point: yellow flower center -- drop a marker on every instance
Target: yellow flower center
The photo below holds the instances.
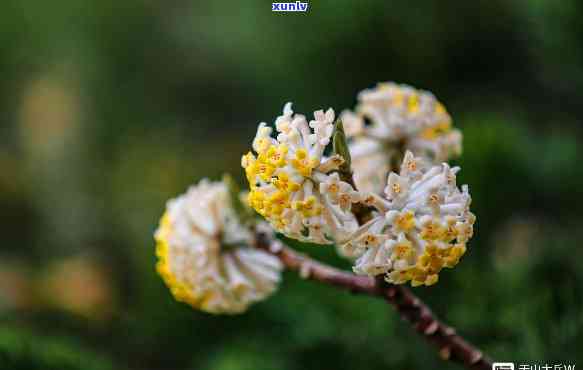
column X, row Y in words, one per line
column 333, row 188
column 403, row 250
column 309, row 207
column 396, row 188
column 405, row 221
column 371, row 240
column 303, row 164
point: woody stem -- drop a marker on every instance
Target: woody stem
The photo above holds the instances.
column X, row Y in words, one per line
column 450, row 345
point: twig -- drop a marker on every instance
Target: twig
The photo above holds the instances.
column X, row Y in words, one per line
column 451, row 346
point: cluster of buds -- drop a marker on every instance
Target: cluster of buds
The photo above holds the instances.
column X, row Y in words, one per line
column 294, row 186
column 421, row 225
column 205, row 254
column 398, row 139
column 391, row 119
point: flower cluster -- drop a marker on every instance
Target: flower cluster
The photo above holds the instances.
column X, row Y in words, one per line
column 390, row 119
column 293, row 184
column 419, row 227
column 204, row 255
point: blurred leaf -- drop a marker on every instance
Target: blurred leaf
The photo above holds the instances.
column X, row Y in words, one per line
column 20, row 350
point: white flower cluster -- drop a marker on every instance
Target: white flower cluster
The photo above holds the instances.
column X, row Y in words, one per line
column 204, row 255
column 419, row 227
column 291, row 181
column 422, row 222
column 390, row 119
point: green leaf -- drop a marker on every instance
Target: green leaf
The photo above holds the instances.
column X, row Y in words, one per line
column 340, row 146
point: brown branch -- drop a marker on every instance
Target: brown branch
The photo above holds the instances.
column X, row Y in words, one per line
column 451, row 346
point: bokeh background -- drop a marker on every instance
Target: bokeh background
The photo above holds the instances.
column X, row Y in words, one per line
column 108, row 108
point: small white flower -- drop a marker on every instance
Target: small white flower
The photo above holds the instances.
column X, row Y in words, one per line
column 397, row 187
column 422, row 226
column 283, row 122
column 322, row 125
column 347, row 197
column 204, row 254
column 412, row 166
column 263, row 137
column 292, row 184
column 374, row 261
column 339, row 192
column 331, row 187
column 401, row 118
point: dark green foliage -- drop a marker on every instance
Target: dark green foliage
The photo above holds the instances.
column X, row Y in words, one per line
column 20, row 350
column 167, row 93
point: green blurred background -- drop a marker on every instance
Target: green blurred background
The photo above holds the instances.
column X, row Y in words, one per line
column 108, row 108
